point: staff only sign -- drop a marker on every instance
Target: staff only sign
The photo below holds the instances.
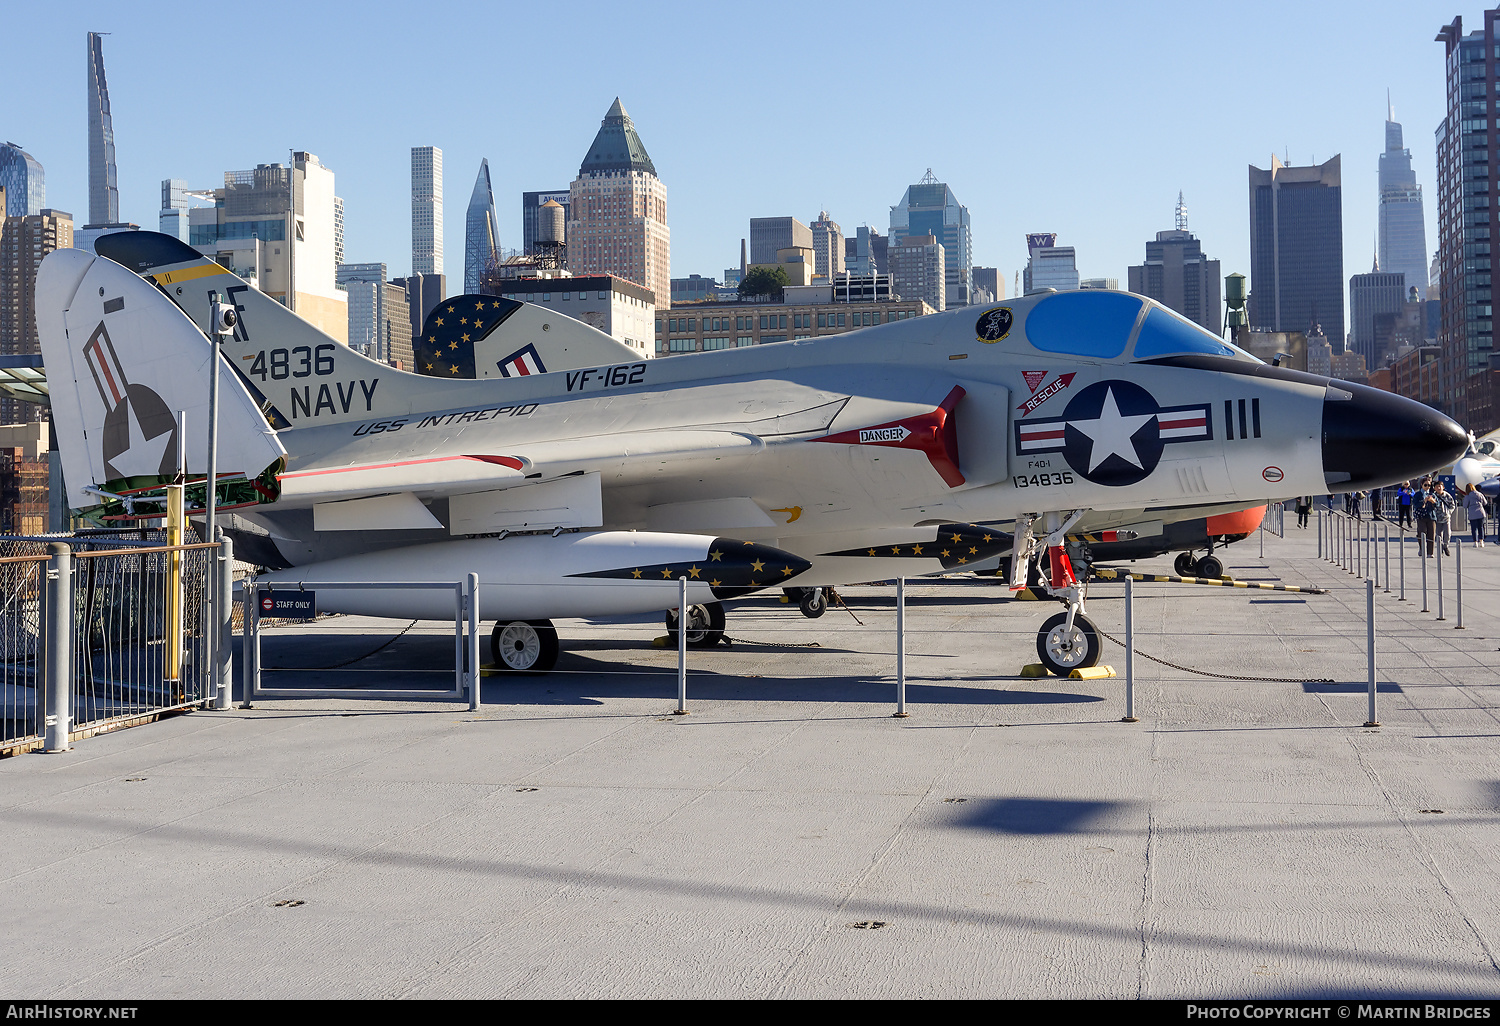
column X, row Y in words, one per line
column 289, row 605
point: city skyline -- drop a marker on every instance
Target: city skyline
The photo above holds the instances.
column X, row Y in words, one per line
column 1033, row 168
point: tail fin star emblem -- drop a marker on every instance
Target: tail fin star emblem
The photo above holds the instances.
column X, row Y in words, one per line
column 139, row 431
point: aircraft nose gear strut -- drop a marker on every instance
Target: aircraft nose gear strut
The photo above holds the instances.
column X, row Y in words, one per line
column 1069, row 640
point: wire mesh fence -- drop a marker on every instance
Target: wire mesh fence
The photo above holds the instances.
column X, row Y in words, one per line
column 138, row 642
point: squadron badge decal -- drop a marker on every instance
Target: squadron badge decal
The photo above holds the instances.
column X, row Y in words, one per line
column 994, row 324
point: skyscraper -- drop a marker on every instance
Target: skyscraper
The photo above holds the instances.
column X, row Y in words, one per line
column 23, row 181
column 24, row 241
column 1177, row 274
column 1050, row 266
column 1468, row 211
column 618, row 211
column 250, row 230
column 1370, row 295
column 104, row 191
column 379, row 317
column 828, row 246
column 769, row 234
column 1297, row 249
column 917, row 270
column 481, row 232
column 1403, row 229
column 426, row 210
column 930, row 208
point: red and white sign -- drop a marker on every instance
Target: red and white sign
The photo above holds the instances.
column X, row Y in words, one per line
column 267, row 603
column 1058, row 384
column 1033, row 378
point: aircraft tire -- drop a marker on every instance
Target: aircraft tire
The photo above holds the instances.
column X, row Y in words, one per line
column 1210, row 568
column 1063, row 654
column 705, row 625
column 814, row 603
column 524, row 646
column 1185, row 565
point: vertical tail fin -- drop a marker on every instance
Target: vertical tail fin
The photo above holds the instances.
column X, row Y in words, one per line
column 122, row 363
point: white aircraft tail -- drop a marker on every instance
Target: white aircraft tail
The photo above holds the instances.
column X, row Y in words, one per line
column 284, row 358
column 122, row 365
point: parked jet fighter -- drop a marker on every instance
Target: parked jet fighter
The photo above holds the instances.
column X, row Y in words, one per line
column 577, row 478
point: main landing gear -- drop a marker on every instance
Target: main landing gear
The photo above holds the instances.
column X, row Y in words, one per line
column 705, row 625
column 1209, row 567
column 1068, row 641
column 524, row 646
column 813, row 602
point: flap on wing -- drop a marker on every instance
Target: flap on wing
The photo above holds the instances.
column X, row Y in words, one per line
column 402, row 511
column 575, row 501
column 438, row 475
column 432, row 476
column 733, row 514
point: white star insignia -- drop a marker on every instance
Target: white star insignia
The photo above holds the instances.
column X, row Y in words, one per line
column 1111, row 433
column 144, row 455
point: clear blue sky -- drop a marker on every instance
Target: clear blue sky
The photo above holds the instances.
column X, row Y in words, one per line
column 1082, row 119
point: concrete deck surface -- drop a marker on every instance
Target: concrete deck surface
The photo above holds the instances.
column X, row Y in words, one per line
column 575, row 839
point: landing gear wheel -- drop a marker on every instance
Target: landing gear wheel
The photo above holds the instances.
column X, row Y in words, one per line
column 1063, row 651
column 1210, row 568
column 1185, row 565
column 524, row 646
column 705, row 625
column 814, row 603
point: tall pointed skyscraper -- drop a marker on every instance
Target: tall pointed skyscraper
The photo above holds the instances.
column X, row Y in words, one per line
column 104, row 191
column 481, row 233
column 618, row 211
column 1403, row 229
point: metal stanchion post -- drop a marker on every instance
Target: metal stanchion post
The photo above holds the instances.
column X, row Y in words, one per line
column 1387, row 545
column 59, row 642
column 1458, row 580
column 223, row 625
column 1129, row 716
column 1440, row 615
column 1422, row 558
column 250, row 647
column 1370, row 648
column 1401, row 559
column 900, row 712
column 473, row 642
column 682, row 629
column 1320, row 531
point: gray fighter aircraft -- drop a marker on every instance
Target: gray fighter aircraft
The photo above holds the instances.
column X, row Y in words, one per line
column 578, row 479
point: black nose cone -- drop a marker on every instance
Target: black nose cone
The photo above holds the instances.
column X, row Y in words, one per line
column 1373, row 438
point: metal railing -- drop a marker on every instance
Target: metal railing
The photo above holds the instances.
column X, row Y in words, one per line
column 466, row 665
column 127, row 629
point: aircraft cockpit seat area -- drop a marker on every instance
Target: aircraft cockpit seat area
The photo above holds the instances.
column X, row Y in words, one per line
column 1093, row 325
column 1099, row 325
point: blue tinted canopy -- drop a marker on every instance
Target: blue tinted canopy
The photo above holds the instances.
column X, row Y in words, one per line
column 1166, row 335
column 1087, row 323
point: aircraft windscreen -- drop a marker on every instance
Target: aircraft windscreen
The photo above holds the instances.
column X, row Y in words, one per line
column 1087, row 323
column 1166, row 335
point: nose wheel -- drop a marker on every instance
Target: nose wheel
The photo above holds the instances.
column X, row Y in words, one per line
column 1067, row 642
